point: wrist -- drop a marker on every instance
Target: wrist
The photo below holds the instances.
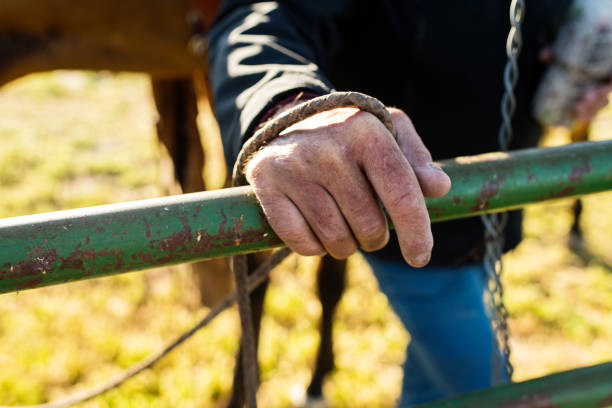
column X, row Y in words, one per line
column 286, row 103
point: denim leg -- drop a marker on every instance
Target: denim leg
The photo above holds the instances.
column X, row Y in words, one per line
column 450, row 350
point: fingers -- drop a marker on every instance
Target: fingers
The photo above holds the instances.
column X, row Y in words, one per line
column 432, row 179
column 289, row 224
column 318, row 185
column 359, row 206
column 397, row 186
column 295, row 172
column 325, row 219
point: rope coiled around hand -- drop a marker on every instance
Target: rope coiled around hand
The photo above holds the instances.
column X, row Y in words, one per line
column 271, row 130
column 245, row 282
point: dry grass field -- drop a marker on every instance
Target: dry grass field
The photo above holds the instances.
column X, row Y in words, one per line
column 73, row 139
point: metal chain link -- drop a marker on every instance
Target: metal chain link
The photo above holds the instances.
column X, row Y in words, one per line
column 495, row 223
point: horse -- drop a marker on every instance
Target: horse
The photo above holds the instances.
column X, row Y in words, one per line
column 167, row 40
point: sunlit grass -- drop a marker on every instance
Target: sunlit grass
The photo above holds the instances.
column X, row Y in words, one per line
column 76, row 139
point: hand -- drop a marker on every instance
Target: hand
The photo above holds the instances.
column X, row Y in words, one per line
column 319, row 181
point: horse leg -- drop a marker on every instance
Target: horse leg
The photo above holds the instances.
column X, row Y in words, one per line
column 177, row 129
column 238, row 397
column 579, row 133
column 331, row 277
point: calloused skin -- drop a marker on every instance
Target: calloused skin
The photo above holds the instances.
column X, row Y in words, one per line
column 320, row 182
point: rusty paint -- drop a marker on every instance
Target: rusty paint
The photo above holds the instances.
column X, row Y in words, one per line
column 142, row 256
column 184, row 242
column 540, row 400
column 577, row 172
column 197, row 226
column 567, row 191
column 223, row 223
column 36, row 263
column 489, row 189
column 76, row 259
column 204, row 242
column 147, row 228
column 238, row 224
column 531, row 176
column 29, row 283
column 606, row 402
column 173, row 242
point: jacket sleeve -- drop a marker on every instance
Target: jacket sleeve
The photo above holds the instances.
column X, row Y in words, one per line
column 260, row 52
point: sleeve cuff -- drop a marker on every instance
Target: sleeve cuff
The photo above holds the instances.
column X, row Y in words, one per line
column 266, row 98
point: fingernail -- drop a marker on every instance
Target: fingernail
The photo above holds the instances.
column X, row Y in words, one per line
column 420, row 260
column 434, row 167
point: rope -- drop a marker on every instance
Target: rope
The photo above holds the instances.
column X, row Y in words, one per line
column 263, row 136
column 249, row 346
column 256, row 279
column 269, row 132
column 273, row 128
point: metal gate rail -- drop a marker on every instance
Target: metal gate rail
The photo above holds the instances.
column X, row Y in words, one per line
column 589, row 387
column 52, row 248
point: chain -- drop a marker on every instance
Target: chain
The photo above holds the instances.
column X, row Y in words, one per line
column 494, row 226
column 495, row 223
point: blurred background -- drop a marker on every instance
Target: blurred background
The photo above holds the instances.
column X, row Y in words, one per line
column 71, row 139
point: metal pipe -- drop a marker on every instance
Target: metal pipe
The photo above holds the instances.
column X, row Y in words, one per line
column 63, row 246
column 589, row 387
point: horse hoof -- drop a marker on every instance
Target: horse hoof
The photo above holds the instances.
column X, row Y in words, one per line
column 300, row 399
column 315, row 402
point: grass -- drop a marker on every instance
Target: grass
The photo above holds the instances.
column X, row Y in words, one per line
column 72, row 139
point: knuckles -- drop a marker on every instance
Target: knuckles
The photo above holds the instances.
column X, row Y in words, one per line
column 296, row 238
column 334, row 238
column 308, row 249
column 420, row 155
column 312, row 158
column 304, row 157
column 343, row 252
column 374, row 234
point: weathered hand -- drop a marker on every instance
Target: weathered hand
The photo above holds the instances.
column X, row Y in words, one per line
column 319, row 181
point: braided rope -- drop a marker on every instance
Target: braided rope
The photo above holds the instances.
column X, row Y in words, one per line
column 255, row 280
column 269, row 132
column 273, row 128
column 257, row 277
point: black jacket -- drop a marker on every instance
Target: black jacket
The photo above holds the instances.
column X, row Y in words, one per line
column 441, row 62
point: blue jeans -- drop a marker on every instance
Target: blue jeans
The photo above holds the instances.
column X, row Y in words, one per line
column 451, row 346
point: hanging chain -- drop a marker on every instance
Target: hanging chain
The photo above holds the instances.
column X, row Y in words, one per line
column 495, row 223
column 511, row 72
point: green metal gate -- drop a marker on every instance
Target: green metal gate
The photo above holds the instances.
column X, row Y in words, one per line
column 65, row 246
